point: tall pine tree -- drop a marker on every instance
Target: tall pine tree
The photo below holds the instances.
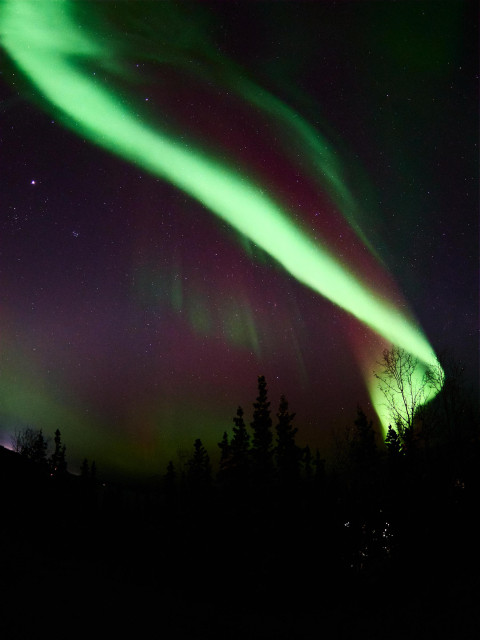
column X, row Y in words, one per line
column 58, row 464
column 199, row 470
column 234, row 458
column 240, row 445
column 363, row 449
column 287, row 453
column 393, row 443
column 262, row 450
column 225, row 458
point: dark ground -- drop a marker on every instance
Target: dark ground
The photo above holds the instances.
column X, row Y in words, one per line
column 85, row 559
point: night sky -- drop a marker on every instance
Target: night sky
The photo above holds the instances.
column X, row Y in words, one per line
column 186, row 189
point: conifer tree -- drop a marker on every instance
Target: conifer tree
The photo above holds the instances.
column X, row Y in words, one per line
column 234, row 458
column 39, row 450
column 262, row 451
column 225, row 457
column 224, row 447
column 240, row 444
column 199, row 471
column 363, row 449
column 58, row 464
column 393, row 442
column 287, row 453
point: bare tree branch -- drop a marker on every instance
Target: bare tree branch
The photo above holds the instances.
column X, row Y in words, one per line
column 406, row 385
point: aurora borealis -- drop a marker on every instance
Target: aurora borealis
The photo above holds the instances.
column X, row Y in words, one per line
column 198, row 194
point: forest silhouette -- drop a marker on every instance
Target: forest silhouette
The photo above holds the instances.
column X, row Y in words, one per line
column 276, row 542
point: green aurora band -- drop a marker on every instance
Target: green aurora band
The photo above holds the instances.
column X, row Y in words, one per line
column 50, row 50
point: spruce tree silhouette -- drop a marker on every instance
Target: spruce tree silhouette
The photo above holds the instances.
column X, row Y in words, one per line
column 287, row 453
column 39, row 453
column 199, row 471
column 240, row 451
column 57, row 462
column 224, row 463
column 393, row 443
column 363, row 449
column 262, row 450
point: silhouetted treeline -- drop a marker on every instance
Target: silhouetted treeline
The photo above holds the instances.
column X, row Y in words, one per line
column 275, row 543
